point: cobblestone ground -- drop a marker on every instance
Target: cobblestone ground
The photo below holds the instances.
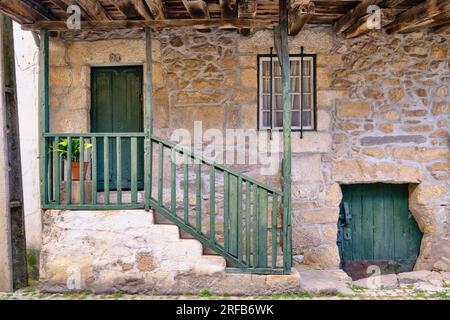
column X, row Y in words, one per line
column 405, row 293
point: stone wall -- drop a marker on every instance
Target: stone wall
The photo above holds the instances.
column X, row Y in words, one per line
column 382, row 116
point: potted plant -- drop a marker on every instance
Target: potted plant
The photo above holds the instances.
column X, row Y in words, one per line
column 75, row 155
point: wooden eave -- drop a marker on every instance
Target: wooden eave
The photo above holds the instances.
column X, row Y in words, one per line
column 346, row 16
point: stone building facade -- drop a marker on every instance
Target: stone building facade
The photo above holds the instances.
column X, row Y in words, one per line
column 383, row 108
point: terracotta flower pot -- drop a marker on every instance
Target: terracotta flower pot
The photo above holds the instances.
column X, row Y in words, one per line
column 76, row 170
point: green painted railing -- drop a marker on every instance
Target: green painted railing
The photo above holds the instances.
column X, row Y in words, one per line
column 234, row 215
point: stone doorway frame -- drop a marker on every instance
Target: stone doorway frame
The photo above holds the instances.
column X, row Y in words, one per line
column 423, row 201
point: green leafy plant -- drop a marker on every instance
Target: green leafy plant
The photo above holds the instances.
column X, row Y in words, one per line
column 62, row 148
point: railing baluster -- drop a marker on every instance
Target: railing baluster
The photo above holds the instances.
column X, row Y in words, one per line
column 106, row 169
column 50, row 171
column 226, row 209
column 69, row 171
column 160, row 173
column 274, row 229
column 94, row 170
column 239, row 218
column 134, row 148
column 255, row 225
column 119, row 169
column 262, row 234
column 212, row 204
column 247, row 222
column 57, row 172
column 173, row 182
column 198, row 197
column 81, row 148
column 186, row 188
column 232, row 216
column 148, row 170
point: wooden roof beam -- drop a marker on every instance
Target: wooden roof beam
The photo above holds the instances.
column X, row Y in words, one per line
column 156, row 8
column 197, row 9
column 351, row 17
column 133, row 9
column 18, row 11
column 93, row 8
column 425, row 14
column 247, row 9
column 39, row 8
column 155, row 24
column 228, row 8
column 299, row 13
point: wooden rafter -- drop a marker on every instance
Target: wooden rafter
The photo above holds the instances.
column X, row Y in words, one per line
column 19, row 11
column 40, row 9
column 426, row 14
column 247, row 9
column 133, row 9
column 392, row 3
column 155, row 24
column 228, row 8
column 352, row 16
column 299, row 13
column 197, row 9
column 156, row 8
column 92, row 8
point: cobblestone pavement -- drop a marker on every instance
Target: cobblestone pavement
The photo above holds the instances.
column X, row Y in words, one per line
column 358, row 293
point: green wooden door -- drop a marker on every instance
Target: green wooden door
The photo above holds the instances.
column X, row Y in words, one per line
column 376, row 228
column 117, row 107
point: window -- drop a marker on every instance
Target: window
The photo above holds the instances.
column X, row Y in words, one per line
column 265, row 96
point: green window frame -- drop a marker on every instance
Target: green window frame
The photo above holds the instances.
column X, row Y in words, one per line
column 266, row 95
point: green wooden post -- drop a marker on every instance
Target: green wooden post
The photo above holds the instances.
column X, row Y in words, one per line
column 69, row 171
column 283, row 54
column 198, row 196
column 248, row 225
column 149, row 119
column 173, row 182
column 106, row 168
column 44, row 122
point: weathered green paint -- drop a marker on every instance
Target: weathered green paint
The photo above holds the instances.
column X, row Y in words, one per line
column 263, row 230
column 186, row 187
column 248, row 220
column 255, row 225
column 173, row 182
column 212, row 204
column 233, row 215
column 226, row 210
column 69, row 171
column 44, row 118
column 239, row 219
column 105, row 162
column 117, row 107
column 94, row 170
column 160, row 172
column 281, row 43
column 149, row 118
column 57, row 174
column 375, row 228
column 274, row 229
column 134, row 169
column 81, row 170
column 119, row 169
column 198, row 196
